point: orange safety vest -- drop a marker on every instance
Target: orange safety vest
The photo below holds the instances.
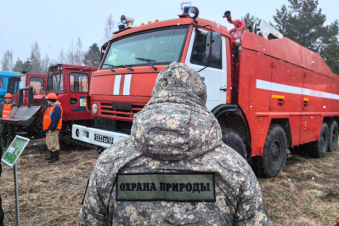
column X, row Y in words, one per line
column 47, row 118
column 6, row 110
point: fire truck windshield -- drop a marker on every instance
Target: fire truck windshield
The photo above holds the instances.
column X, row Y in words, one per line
column 162, row 46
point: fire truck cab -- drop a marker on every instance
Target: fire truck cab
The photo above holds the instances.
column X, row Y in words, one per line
column 268, row 93
column 37, row 82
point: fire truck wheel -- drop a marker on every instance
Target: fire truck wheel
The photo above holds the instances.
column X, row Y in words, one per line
column 232, row 139
column 332, row 146
column 319, row 148
column 275, row 152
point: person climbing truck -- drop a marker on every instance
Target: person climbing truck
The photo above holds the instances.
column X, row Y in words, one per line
column 7, row 131
column 52, row 124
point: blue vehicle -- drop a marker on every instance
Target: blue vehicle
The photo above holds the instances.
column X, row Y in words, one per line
column 4, row 76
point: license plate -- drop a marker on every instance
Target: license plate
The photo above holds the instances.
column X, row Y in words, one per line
column 103, row 139
column 122, row 105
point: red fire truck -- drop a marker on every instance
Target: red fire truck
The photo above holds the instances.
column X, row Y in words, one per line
column 69, row 82
column 267, row 92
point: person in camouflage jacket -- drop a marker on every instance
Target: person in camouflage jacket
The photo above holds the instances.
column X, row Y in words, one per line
column 174, row 169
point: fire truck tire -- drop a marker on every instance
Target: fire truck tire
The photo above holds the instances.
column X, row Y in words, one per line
column 275, row 152
column 232, row 139
column 319, row 148
column 333, row 129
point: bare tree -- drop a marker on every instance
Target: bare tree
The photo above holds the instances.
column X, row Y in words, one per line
column 71, row 53
column 7, row 61
column 45, row 63
column 35, row 59
column 62, row 57
column 109, row 26
column 79, row 53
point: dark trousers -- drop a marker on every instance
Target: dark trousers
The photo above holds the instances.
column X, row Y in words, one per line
column 7, row 133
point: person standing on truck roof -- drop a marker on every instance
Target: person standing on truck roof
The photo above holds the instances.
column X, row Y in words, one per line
column 174, row 168
column 7, row 131
column 52, row 124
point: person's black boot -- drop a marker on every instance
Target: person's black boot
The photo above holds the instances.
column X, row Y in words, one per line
column 50, row 156
column 55, row 157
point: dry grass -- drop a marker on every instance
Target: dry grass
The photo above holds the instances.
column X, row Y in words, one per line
column 305, row 193
column 50, row 194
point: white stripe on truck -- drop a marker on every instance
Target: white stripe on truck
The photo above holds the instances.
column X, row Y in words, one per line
column 272, row 86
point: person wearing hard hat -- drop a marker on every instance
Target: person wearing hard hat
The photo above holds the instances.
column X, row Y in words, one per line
column 52, row 124
column 7, row 131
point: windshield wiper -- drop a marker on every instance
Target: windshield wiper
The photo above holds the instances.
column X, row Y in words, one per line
column 115, row 66
column 111, row 67
column 148, row 61
column 125, row 66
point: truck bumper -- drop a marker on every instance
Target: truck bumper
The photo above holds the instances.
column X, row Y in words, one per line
column 97, row 137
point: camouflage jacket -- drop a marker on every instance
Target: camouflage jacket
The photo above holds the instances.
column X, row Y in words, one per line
column 173, row 134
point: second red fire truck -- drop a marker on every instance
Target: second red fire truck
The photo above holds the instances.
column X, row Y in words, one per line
column 267, row 92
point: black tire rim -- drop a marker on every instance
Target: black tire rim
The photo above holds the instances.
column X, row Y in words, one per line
column 334, row 137
column 275, row 151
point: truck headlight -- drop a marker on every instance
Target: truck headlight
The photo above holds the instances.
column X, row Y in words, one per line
column 95, row 108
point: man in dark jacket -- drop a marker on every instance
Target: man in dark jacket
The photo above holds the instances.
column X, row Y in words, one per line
column 7, row 131
column 52, row 124
column 174, row 169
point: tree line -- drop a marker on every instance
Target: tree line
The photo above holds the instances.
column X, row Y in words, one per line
column 75, row 55
column 301, row 21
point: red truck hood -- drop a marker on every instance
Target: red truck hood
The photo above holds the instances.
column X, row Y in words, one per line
column 140, row 82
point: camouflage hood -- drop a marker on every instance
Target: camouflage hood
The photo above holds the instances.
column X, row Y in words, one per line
column 175, row 124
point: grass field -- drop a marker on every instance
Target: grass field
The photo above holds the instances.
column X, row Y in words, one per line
column 305, row 193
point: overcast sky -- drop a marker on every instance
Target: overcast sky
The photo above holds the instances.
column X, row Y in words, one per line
column 53, row 23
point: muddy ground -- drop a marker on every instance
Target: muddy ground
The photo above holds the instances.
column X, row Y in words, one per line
column 305, row 193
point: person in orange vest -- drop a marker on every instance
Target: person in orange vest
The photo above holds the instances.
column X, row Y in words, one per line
column 52, row 124
column 7, row 131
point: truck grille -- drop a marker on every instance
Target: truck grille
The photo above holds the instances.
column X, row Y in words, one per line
column 108, row 109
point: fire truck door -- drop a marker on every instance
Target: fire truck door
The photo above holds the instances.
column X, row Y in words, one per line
column 215, row 76
column 78, row 87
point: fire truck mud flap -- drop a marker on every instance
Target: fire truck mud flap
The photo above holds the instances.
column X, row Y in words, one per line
column 24, row 116
column 97, row 137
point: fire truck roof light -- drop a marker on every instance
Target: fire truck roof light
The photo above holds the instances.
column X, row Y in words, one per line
column 193, row 12
column 121, row 26
column 186, row 9
column 142, row 23
column 149, row 22
column 156, row 20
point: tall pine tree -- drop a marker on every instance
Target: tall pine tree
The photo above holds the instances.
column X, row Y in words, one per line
column 92, row 57
column 18, row 65
column 303, row 22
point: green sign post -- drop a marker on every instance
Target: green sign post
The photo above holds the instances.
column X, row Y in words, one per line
column 9, row 158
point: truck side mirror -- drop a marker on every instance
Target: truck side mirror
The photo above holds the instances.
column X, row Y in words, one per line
column 103, row 49
column 213, row 46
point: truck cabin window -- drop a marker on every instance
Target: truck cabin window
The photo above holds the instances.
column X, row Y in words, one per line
column 37, row 83
column 57, row 83
column 199, row 51
column 78, row 82
column 160, row 46
column 1, row 82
